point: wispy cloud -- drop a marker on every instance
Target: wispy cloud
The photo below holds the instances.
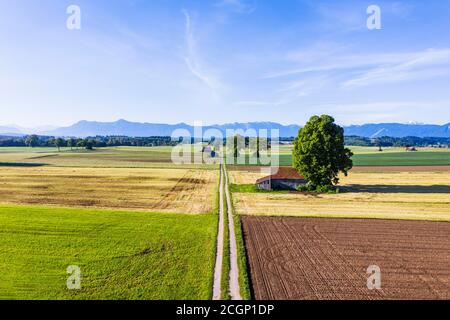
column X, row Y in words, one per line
column 369, row 69
column 399, row 9
column 316, row 52
column 191, row 59
column 239, row 6
column 340, row 16
column 284, row 98
column 340, row 62
column 422, row 65
column 304, row 87
column 385, row 111
column 256, row 103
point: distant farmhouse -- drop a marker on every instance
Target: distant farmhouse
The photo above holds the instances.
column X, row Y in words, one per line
column 286, row 178
column 209, row 151
column 439, row 146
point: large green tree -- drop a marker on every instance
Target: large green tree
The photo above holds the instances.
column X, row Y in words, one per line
column 319, row 153
column 71, row 142
column 238, row 140
column 59, row 142
column 32, row 140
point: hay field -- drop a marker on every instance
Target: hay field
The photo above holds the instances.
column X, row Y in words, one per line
column 114, row 157
column 181, row 190
column 393, row 195
column 245, row 176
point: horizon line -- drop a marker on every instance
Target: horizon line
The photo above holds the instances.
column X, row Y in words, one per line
column 18, row 126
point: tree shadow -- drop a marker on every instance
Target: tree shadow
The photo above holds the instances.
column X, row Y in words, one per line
column 381, row 188
column 21, row 164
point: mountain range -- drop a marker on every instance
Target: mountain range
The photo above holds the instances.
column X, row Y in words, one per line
column 136, row 129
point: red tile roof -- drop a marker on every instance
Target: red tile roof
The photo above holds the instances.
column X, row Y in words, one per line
column 284, row 173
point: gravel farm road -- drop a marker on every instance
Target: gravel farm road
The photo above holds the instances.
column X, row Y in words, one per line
column 234, row 289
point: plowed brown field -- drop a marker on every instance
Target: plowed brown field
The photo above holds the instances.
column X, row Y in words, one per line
column 308, row 258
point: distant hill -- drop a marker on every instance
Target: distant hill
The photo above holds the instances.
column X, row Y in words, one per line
column 399, row 130
column 17, row 131
column 10, row 131
column 137, row 129
column 121, row 127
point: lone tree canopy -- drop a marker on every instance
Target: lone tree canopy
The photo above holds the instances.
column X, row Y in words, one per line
column 319, row 153
column 32, row 141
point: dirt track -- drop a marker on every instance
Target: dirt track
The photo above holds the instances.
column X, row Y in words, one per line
column 235, row 291
column 297, row 258
column 220, row 238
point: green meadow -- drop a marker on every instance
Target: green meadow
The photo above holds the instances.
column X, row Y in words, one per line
column 370, row 156
column 138, row 226
column 122, row 255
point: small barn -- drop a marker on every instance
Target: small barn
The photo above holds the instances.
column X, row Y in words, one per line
column 208, row 150
column 286, row 178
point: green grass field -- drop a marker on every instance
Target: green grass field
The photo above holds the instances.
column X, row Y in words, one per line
column 370, row 156
column 122, row 255
column 251, row 188
column 420, row 158
column 159, row 249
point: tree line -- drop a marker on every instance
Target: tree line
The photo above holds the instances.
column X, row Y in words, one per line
column 113, row 141
column 395, row 142
column 86, row 143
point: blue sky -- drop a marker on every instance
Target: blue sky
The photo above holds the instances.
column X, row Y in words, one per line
column 224, row 61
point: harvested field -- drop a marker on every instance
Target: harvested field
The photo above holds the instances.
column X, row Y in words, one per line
column 425, row 206
column 298, row 258
column 245, row 177
column 393, row 195
column 119, row 157
column 149, row 189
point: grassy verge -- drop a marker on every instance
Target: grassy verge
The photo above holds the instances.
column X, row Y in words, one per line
column 215, row 213
column 244, row 283
column 122, row 255
column 225, row 281
column 251, row 188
